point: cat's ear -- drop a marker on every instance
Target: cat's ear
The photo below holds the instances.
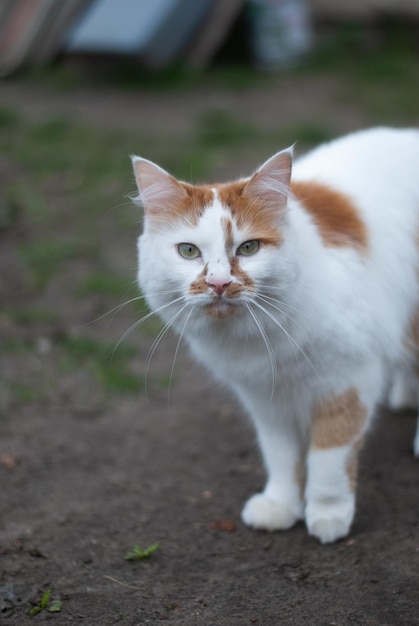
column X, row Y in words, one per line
column 271, row 182
column 159, row 192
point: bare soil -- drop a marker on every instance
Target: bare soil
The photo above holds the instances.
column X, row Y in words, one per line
column 86, row 475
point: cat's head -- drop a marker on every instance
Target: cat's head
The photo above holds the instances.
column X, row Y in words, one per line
column 212, row 249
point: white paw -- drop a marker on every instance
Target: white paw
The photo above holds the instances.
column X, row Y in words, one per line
column 329, row 522
column 264, row 513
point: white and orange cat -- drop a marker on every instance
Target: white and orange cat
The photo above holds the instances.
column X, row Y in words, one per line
column 297, row 288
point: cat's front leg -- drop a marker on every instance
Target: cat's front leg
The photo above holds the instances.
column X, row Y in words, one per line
column 280, row 505
column 339, row 422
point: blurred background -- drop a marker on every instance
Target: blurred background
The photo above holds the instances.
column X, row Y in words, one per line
column 208, row 89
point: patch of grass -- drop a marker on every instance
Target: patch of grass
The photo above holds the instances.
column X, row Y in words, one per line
column 9, row 118
column 15, row 345
column 305, row 133
column 25, row 393
column 29, row 202
column 220, row 128
column 137, row 554
column 109, row 363
column 105, row 284
column 31, row 315
column 53, row 606
column 54, row 130
column 44, row 258
column 192, row 165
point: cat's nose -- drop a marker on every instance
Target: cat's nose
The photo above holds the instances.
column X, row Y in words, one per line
column 219, row 286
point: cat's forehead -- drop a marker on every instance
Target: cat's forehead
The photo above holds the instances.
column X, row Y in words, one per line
column 227, row 207
column 211, row 223
column 206, row 207
column 211, row 202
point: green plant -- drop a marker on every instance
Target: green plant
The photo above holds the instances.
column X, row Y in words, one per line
column 44, row 603
column 137, row 554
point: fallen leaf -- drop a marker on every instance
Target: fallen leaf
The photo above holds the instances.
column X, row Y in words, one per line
column 227, row 525
column 7, row 460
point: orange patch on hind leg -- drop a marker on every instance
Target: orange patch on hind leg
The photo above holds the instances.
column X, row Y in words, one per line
column 338, row 420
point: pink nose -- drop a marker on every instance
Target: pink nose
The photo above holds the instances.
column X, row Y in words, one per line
column 219, row 286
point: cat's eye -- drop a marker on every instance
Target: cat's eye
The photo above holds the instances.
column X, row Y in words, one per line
column 188, row 251
column 248, row 248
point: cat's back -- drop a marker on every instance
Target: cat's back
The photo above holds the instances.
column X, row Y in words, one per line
column 377, row 171
column 387, row 155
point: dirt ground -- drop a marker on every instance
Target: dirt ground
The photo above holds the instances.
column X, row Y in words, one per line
column 86, row 476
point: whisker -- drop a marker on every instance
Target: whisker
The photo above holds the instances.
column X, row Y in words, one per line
column 290, row 338
column 119, row 307
column 176, row 353
column 141, row 321
column 272, row 288
column 268, row 345
column 266, row 299
column 158, row 339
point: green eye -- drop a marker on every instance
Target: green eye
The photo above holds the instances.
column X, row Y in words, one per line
column 188, row 251
column 248, row 248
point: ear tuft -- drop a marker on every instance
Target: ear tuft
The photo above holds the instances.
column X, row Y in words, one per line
column 159, row 192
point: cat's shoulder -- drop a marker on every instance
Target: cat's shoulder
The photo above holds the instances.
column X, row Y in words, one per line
column 377, row 143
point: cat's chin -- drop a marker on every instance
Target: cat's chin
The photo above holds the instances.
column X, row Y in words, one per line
column 220, row 309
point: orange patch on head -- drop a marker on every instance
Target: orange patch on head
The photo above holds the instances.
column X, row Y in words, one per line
column 334, row 214
column 250, row 213
column 228, row 235
column 338, row 420
column 198, row 197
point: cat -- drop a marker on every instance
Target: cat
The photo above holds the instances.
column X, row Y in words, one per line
column 299, row 293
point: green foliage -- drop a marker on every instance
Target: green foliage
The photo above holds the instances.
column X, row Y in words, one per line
column 137, row 554
column 107, row 284
column 218, row 127
column 109, row 363
column 44, row 258
column 44, row 603
column 8, row 118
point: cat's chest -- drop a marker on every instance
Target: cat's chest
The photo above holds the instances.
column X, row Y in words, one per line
column 252, row 361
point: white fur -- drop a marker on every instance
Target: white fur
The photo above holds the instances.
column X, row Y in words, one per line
column 340, row 318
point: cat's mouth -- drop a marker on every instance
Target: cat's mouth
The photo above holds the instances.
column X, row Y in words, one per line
column 220, row 308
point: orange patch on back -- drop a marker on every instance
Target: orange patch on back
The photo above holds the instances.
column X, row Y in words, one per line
column 250, row 214
column 338, row 420
column 334, row 214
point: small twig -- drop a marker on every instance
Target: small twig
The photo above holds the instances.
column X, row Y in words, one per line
column 118, row 582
